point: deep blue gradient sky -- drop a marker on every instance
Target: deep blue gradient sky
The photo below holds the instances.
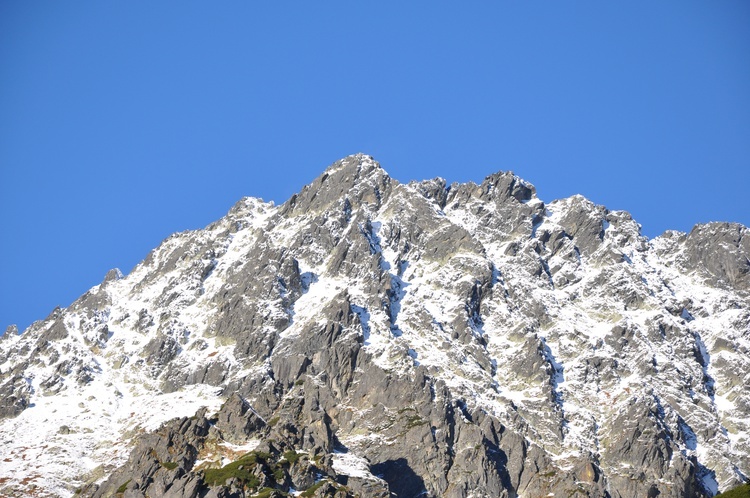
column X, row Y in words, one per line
column 123, row 122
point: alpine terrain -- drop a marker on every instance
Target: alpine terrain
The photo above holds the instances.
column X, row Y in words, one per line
column 377, row 339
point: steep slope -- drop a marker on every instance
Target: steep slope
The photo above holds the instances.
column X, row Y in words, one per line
column 375, row 338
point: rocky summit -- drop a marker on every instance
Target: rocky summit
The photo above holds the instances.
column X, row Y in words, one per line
column 377, row 339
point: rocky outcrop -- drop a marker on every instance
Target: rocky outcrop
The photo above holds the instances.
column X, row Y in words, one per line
column 159, row 462
column 370, row 338
column 722, row 251
column 14, row 396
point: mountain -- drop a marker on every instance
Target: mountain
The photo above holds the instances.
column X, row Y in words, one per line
column 371, row 338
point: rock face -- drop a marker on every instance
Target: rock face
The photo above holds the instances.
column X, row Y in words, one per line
column 376, row 339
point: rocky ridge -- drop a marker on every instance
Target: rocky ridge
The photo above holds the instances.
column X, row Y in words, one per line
column 372, row 338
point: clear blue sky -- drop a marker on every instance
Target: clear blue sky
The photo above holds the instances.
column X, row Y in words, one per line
column 123, row 122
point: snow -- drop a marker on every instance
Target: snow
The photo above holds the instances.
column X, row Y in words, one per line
column 77, row 431
column 349, row 464
column 320, row 292
column 723, row 404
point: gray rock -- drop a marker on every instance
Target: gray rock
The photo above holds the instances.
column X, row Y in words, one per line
column 585, row 223
column 10, row 331
column 159, row 462
column 722, row 252
column 236, row 420
column 15, row 396
column 356, row 178
column 458, row 341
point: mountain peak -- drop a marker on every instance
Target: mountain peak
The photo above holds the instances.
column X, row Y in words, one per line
column 353, row 169
column 507, row 185
column 358, row 178
column 369, row 338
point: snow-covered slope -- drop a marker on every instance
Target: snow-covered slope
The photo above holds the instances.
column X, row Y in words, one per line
column 462, row 340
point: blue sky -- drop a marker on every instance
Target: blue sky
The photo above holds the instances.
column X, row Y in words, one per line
column 123, row 122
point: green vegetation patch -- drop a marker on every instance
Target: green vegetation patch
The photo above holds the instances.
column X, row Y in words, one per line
column 123, row 486
column 266, row 492
column 742, row 491
column 279, row 474
column 240, row 469
column 312, row 489
column 414, row 421
column 291, row 456
column 411, row 417
column 169, row 465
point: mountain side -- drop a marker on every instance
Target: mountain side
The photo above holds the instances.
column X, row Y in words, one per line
column 373, row 338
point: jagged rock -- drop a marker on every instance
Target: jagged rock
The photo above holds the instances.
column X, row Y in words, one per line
column 584, row 222
column 236, row 420
column 112, row 275
column 158, row 462
column 357, row 179
column 722, row 250
column 371, row 338
column 14, row 396
column 10, row 331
